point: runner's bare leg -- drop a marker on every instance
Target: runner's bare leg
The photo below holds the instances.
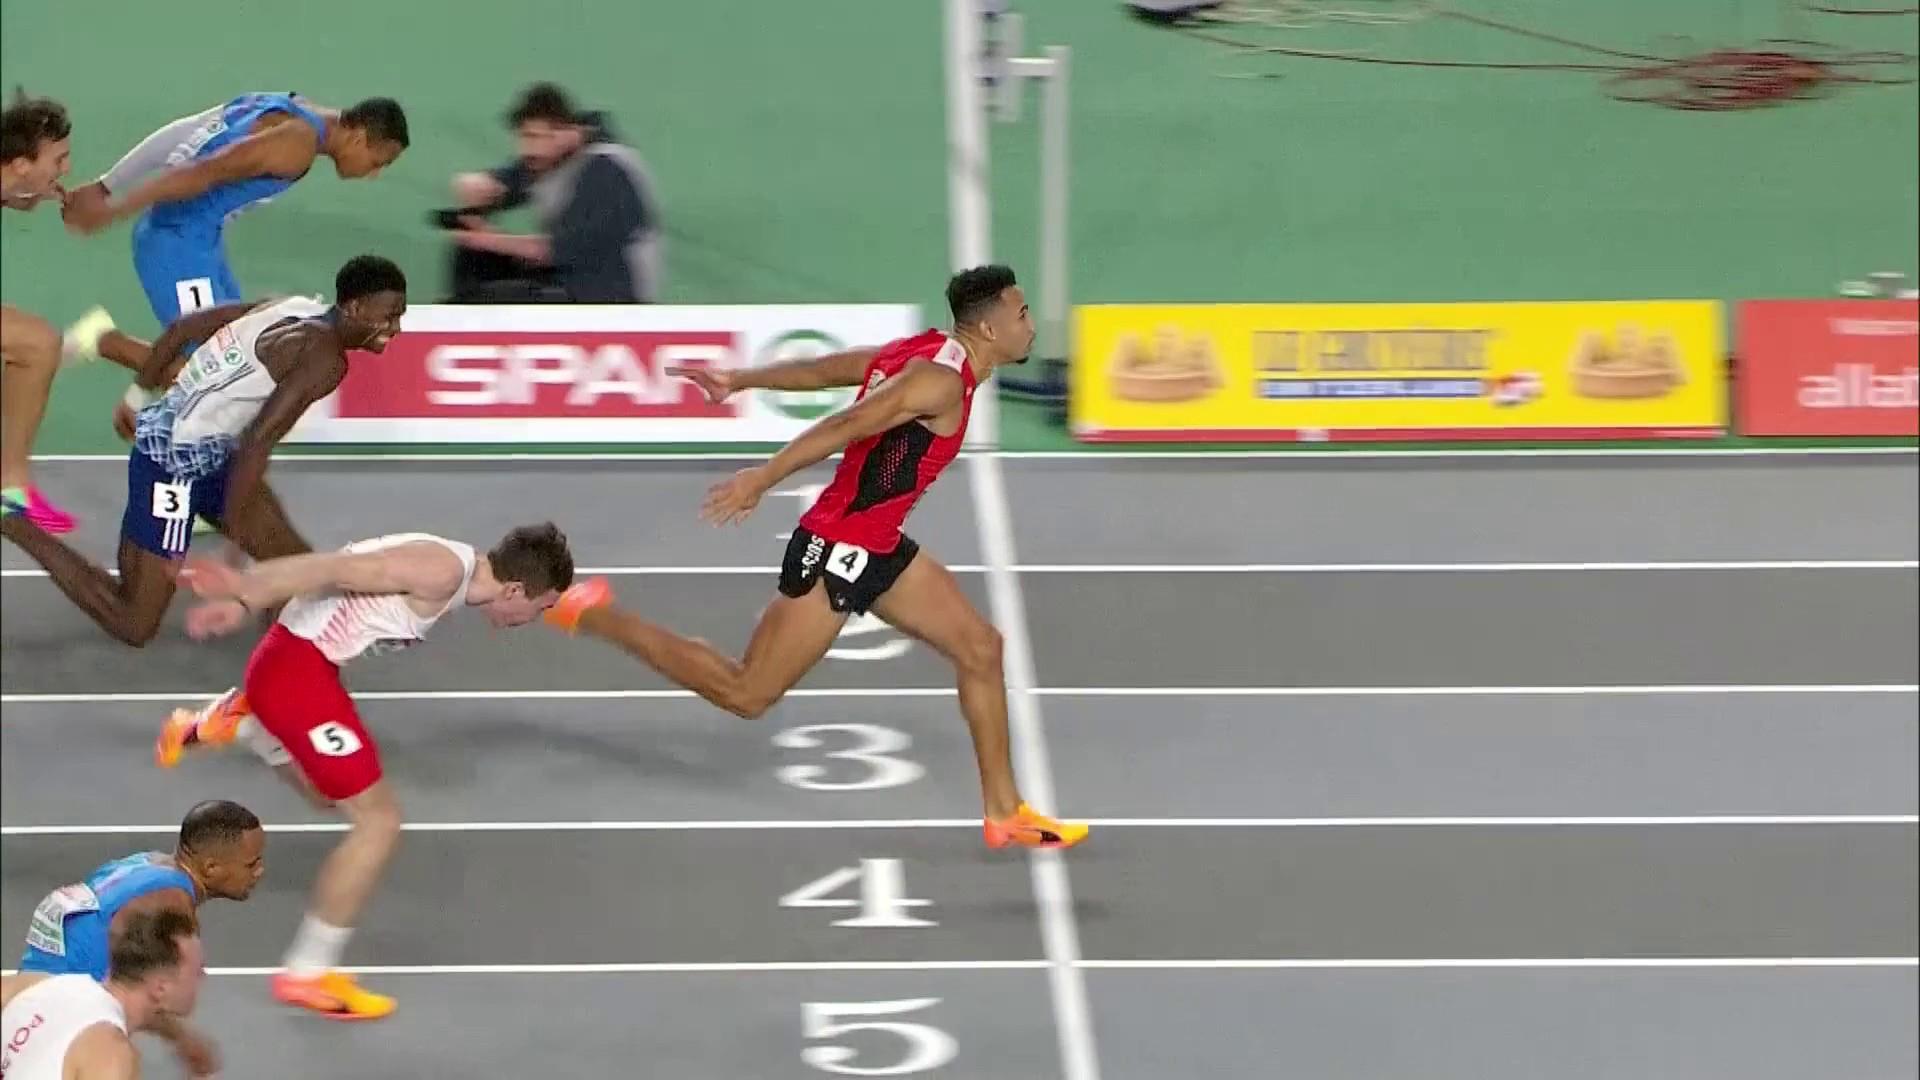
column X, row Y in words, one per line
column 927, row 603
column 792, row 635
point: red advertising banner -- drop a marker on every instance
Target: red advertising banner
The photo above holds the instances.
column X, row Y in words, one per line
column 567, row 373
column 1828, row 367
column 542, row 375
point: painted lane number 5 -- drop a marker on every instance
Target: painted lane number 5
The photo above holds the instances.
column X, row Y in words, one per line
column 927, row 1046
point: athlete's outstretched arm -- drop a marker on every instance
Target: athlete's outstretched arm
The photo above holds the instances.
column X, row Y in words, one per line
column 845, row 368
column 284, row 150
column 922, row 389
column 171, row 346
column 422, row 571
column 314, row 375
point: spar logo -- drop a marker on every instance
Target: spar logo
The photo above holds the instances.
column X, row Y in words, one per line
column 806, row 405
column 539, row 375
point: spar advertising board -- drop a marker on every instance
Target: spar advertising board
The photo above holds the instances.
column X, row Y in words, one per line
column 560, row 374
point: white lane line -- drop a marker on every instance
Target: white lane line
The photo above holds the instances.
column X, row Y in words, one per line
column 482, row 695
column 1468, row 567
column 1053, row 892
column 1249, row 964
column 1480, row 691
column 794, row 825
column 743, row 968
column 1092, row 457
column 1645, row 566
column 1648, row 690
column 1508, row 962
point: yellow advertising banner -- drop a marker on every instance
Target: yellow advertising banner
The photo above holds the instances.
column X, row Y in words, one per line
column 1274, row 372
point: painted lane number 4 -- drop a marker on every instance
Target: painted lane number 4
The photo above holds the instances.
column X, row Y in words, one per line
column 883, row 902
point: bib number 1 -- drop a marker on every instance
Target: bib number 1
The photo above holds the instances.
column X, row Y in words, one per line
column 194, row 294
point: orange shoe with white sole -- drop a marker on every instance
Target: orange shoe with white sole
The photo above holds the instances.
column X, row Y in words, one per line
column 1030, row 828
column 332, row 994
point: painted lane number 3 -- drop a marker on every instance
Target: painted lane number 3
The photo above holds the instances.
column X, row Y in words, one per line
column 876, row 744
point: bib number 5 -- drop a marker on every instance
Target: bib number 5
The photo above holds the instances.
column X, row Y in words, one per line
column 334, row 740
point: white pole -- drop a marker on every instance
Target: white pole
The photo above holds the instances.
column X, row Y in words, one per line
column 1053, row 203
column 969, row 222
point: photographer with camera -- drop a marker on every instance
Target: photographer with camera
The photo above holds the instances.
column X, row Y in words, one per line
column 600, row 231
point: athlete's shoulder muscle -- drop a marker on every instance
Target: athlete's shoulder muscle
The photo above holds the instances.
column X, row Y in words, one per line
column 102, row 1052
column 172, row 899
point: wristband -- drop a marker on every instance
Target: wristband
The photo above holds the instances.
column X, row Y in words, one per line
column 138, row 397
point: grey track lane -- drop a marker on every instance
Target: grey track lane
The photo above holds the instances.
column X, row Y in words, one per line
column 1354, row 757
column 1329, row 510
column 1094, row 511
column 52, row 648
column 1447, row 629
column 591, row 1027
column 1653, row 755
column 593, row 898
column 512, row 761
column 1180, row 893
column 615, row 513
column 1439, row 629
column 1778, row 1024
column 1513, row 891
column 1363, row 892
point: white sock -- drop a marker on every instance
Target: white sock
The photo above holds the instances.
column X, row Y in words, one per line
column 317, row 947
column 264, row 746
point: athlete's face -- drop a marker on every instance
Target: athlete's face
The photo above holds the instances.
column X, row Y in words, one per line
column 1009, row 327
column 361, row 158
column 516, row 607
column 29, row 180
column 372, row 321
column 232, row 873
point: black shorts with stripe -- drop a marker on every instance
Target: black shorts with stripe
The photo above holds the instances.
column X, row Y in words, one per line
column 855, row 578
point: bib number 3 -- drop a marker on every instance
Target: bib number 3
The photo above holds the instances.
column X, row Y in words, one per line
column 171, row 502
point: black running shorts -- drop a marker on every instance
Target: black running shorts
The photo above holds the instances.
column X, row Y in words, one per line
column 854, row 576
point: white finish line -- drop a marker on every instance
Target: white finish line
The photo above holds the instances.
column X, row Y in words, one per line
column 1654, row 566
column 1093, row 457
column 791, row 825
column 1650, row 690
column 1249, row 964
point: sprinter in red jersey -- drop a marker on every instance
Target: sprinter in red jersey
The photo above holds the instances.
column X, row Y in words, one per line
column 849, row 554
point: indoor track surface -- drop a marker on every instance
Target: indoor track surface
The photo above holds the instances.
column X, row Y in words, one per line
column 1505, row 767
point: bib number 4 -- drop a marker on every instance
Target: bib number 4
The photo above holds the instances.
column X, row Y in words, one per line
column 847, row 562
